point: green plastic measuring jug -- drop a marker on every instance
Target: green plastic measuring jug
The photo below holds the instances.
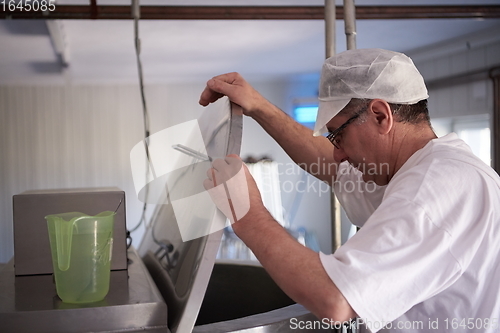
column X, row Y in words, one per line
column 81, row 248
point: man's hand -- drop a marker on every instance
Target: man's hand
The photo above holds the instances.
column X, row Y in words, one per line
column 236, row 89
column 297, row 140
column 232, row 187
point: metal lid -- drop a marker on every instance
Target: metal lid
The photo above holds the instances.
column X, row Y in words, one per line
column 181, row 268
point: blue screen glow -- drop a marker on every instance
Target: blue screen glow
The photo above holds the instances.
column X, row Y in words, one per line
column 306, row 114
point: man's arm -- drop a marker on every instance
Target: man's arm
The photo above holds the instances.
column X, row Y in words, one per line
column 295, row 268
column 313, row 154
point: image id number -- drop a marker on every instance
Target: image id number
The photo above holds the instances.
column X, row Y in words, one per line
column 472, row 323
column 28, row 5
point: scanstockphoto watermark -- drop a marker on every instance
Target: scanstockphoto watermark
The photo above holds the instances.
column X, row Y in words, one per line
column 343, row 178
column 323, row 324
column 322, row 167
column 294, row 180
column 310, row 185
column 354, row 324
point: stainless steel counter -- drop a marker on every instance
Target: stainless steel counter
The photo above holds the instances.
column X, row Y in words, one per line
column 30, row 304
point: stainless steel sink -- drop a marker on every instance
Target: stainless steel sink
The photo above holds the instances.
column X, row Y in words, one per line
column 243, row 297
column 236, row 291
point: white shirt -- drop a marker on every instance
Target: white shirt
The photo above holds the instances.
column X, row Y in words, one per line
column 427, row 258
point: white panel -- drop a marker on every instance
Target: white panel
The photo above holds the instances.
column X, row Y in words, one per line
column 440, row 104
column 477, row 94
column 442, row 67
column 459, row 63
column 473, row 98
column 493, row 54
column 426, row 69
column 477, row 58
column 459, row 102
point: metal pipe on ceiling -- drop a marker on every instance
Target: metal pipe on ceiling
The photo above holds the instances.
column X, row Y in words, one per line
column 255, row 12
column 350, row 32
column 330, row 18
column 336, row 224
column 350, row 24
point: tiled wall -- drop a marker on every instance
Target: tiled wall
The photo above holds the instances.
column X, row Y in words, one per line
column 457, row 74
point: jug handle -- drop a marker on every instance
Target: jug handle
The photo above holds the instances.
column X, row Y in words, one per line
column 64, row 237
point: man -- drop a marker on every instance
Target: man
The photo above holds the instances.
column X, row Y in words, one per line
column 427, row 255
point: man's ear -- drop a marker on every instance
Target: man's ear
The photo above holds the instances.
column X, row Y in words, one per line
column 382, row 114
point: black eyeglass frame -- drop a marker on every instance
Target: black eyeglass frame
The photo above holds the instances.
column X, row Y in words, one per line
column 332, row 135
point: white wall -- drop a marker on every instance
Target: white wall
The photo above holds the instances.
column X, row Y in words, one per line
column 78, row 136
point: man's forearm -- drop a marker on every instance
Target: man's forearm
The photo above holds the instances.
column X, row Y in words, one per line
column 296, row 269
column 313, row 154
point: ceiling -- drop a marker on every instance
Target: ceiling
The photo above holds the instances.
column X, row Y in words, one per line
column 102, row 51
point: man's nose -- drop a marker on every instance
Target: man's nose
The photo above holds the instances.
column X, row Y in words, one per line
column 339, row 155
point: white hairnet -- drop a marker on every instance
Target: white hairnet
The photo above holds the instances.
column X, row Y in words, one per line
column 366, row 73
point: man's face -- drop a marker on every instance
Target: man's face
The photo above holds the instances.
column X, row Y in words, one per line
column 355, row 141
column 343, row 131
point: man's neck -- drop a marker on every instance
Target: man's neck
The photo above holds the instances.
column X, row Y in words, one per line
column 406, row 140
column 412, row 139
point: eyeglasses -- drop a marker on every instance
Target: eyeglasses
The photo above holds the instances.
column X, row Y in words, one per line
column 332, row 136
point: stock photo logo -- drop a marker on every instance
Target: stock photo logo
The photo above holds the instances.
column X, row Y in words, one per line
column 172, row 167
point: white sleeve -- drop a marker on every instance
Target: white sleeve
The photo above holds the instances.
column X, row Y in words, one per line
column 359, row 199
column 398, row 259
